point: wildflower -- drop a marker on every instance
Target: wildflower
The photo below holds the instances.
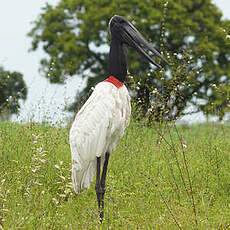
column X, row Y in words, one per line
column 155, row 90
column 55, row 200
column 56, row 166
column 35, row 136
column 40, row 149
column 62, row 177
column 150, row 110
column 43, row 192
column 214, row 85
column 184, row 145
column 228, row 36
column 37, row 183
column 43, row 161
column 62, row 195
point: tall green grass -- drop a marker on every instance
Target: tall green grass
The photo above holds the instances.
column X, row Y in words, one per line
column 159, row 177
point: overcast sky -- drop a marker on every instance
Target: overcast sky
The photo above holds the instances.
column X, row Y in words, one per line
column 44, row 101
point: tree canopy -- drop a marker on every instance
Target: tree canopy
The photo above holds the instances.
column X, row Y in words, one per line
column 191, row 34
column 12, row 89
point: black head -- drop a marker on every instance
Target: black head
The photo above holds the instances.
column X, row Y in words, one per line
column 123, row 31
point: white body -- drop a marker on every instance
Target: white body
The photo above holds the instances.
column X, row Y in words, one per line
column 97, row 128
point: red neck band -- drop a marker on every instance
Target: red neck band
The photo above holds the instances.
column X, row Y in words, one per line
column 114, row 81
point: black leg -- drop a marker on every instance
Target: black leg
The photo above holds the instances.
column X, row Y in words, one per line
column 97, row 185
column 103, row 176
column 100, row 184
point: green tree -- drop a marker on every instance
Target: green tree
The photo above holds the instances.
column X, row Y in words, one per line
column 12, row 89
column 75, row 36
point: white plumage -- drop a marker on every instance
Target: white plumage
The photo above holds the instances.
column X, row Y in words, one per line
column 97, row 128
column 101, row 121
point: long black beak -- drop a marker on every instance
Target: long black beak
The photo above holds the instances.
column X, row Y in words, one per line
column 134, row 39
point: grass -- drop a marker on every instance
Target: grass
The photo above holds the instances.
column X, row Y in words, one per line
column 159, row 177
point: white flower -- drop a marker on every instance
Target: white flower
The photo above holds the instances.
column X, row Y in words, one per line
column 184, row 145
column 56, row 166
column 228, row 36
column 35, row 136
column 36, row 182
column 62, row 177
column 43, row 161
column 40, row 149
column 155, row 90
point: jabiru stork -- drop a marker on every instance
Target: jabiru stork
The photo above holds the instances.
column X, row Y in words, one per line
column 100, row 123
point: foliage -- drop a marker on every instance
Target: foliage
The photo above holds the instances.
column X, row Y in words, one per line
column 165, row 98
column 12, row 89
column 146, row 186
column 75, row 36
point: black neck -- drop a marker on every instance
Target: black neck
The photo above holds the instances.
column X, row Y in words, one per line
column 117, row 61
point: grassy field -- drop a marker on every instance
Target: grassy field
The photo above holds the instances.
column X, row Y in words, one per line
column 159, row 177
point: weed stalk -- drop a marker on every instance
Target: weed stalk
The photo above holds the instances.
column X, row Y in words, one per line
column 188, row 175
